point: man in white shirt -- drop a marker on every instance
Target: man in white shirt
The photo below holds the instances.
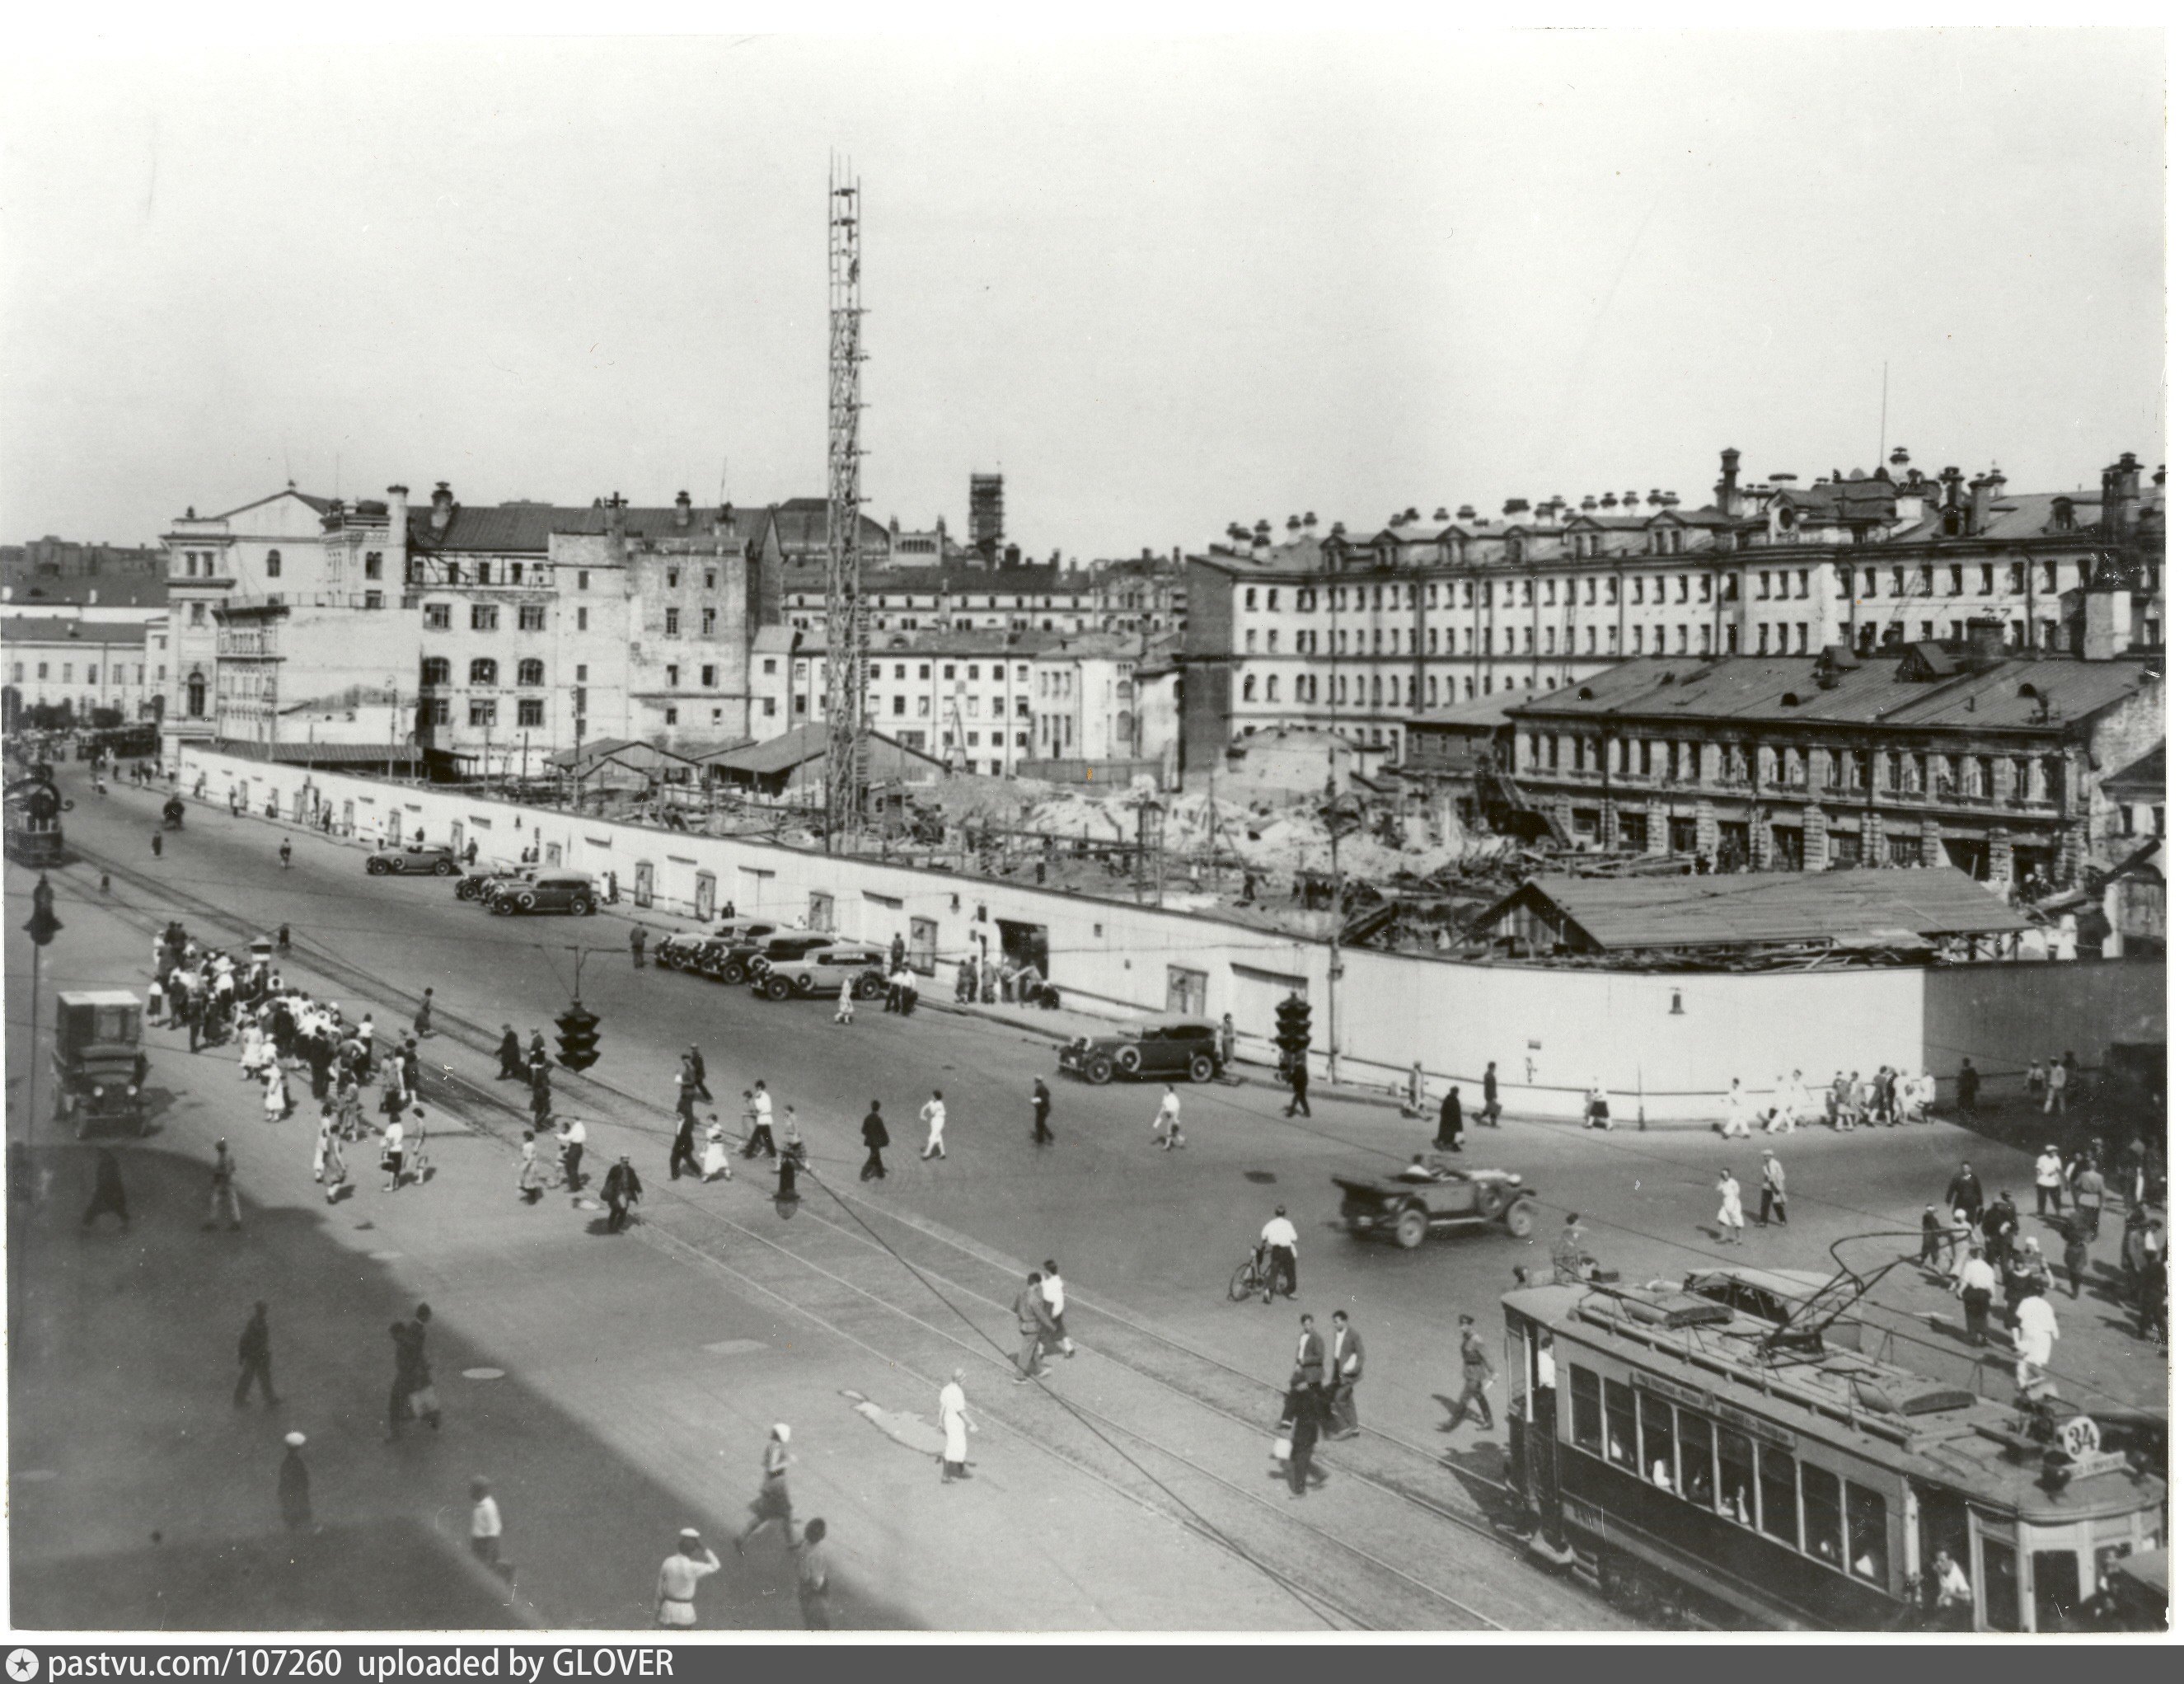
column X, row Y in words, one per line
column 1169, row 1120
column 675, row 1602
column 2036, row 1337
column 1976, row 1287
column 2048, row 1181
column 485, row 1525
column 934, row 1115
column 1736, row 1112
column 1279, row 1241
column 758, row 1111
column 1056, row 1295
column 572, row 1152
column 390, row 1154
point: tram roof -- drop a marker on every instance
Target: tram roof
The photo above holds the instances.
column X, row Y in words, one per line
column 1922, row 1426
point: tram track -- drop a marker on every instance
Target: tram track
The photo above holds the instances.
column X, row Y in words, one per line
column 1378, row 1593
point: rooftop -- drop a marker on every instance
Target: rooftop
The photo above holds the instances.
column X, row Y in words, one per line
column 2019, row 693
column 1860, row 908
column 2146, row 778
column 45, row 628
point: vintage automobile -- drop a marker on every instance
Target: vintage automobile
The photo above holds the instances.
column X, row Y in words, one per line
column 549, row 892
column 735, row 959
column 480, row 881
column 99, row 1064
column 417, row 860
column 1162, row 1047
column 720, row 954
column 819, row 972
column 1406, row 1208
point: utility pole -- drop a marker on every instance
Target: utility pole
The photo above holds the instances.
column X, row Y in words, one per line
column 846, row 619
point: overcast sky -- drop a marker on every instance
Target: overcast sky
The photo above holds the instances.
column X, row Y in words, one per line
column 1162, row 286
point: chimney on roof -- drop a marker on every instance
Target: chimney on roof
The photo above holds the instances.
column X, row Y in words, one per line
column 1335, row 531
column 1467, row 513
column 681, row 510
column 2062, row 514
column 1261, row 539
column 1669, row 499
column 1983, row 643
column 1653, row 498
column 2120, row 498
column 443, row 507
column 1983, row 490
column 1952, row 484
column 1630, row 499
column 1515, row 505
column 617, row 512
column 1728, row 495
column 1411, row 515
column 1440, row 514
column 1781, row 479
column 1296, row 526
column 1589, row 504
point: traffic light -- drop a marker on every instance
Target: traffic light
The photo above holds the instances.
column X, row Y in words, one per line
column 1293, row 1028
column 579, row 1037
column 41, row 925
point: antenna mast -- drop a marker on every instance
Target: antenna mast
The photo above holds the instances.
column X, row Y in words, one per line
column 847, row 624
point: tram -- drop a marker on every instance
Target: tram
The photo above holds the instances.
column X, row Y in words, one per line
column 33, row 809
column 1761, row 1477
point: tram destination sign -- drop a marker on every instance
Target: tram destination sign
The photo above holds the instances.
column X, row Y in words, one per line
column 1690, row 1395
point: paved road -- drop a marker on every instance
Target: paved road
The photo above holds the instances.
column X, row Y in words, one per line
column 918, row 1268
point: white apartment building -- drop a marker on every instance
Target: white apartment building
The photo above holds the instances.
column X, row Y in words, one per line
column 1357, row 633
column 1085, row 701
column 964, row 698
column 92, row 666
column 959, row 598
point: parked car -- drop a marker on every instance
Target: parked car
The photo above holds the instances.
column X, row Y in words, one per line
column 480, row 883
column 417, row 860
column 99, row 1065
column 1406, row 1209
column 549, row 892
column 820, row 971
column 734, row 959
column 710, row 954
column 1189, row 1047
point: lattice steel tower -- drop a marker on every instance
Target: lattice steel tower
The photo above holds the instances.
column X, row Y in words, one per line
column 847, row 622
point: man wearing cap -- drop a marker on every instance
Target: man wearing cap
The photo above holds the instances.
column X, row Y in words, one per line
column 773, row 1504
column 1279, row 1240
column 1478, row 1377
column 675, row 1600
column 295, row 1486
column 621, row 1191
column 2048, row 1181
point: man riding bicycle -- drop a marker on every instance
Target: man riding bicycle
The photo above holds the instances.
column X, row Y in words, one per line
column 1278, row 1250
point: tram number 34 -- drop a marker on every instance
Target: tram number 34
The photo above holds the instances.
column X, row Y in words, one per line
column 2078, row 1438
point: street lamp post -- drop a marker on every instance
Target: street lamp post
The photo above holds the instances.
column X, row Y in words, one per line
column 42, row 927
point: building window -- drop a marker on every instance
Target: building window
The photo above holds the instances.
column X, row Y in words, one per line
column 674, row 629
column 272, row 564
column 531, row 616
column 583, row 619
column 532, row 673
column 484, row 617
column 674, row 716
column 484, row 712
column 485, row 673
column 435, row 670
column 373, row 564
column 705, row 678
column 674, row 676
column 436, row 711
column 436, row 617
column 768, row 707
column 708, row 620
column 531, row 711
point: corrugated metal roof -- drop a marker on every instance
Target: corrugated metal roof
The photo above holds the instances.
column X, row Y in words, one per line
column 523, row 527
column 792, row 749
column 1849, row 907
column 1868, row 692
column 322, row 754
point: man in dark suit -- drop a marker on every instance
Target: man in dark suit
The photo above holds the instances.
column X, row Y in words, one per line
column 1450, row 1137
column 1348, row 1369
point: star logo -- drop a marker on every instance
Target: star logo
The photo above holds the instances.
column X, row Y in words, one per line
column 22, row 1665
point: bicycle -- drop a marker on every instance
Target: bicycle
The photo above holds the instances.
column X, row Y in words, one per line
column 1252, row 1275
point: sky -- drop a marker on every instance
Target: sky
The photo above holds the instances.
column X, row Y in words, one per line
column 1162, row 285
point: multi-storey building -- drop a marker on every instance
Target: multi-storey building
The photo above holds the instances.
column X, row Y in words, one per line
column 1924, row 755
column 95, row 668
column 56, row 577
column 1357, row 633
column 1025, row 598
column 1088, row 697
column 1146, row 594
column 962, row 697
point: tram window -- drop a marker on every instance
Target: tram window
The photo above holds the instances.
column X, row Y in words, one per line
column 1622, row 1425
column 1999, row 1560
column 1695, row 1440
column 2055, row 1593
column 1868, row 1534
column 1778, row 1495
column 1656, row 1424
column 1584, row 1409
column 1823, row 1515
column 1735, row 1502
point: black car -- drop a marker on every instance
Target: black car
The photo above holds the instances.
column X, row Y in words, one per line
column 1189, row 1047
column 715, row 955
column 551, row 892
column 733, row 959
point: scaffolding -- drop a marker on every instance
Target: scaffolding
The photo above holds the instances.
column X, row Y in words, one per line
column 847, row 622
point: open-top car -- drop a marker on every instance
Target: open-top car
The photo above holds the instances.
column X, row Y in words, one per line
column 721, row 954
column 548, row 892
column 1162, row 1047
column 1434, row 1193
column 822, row 971
column 417, row 860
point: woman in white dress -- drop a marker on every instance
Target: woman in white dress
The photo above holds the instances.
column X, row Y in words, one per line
column 956, row 1428
column 257, row 1052
column 530, row 1179
column 277, row 1103
column 715, row 1166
